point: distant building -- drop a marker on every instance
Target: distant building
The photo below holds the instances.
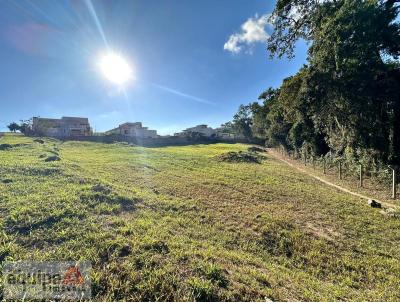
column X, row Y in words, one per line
column 64, row 127
column 227, row 132
column 224, row 135
column 133, row 130
column 202, row 130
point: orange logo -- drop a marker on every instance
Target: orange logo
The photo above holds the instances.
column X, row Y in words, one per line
column 73, row 276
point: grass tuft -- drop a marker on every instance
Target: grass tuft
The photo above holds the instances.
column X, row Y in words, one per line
column 201, row 290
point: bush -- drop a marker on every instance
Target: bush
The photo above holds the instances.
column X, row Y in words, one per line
column 241, row 157
column 52, row 158
column 4, row 147
column 255, row 149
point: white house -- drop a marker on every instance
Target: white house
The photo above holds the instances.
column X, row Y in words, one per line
column 133, row 130
column 203, row 130
column 228, row 133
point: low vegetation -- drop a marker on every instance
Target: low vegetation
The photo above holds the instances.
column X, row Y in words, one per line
column 240, row 157
column 175, row 224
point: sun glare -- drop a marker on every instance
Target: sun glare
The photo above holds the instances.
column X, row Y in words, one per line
column 115, row 68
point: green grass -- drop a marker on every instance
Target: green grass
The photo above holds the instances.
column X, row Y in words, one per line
column 177, row 224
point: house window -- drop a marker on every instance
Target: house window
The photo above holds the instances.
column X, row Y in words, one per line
column 126, row 132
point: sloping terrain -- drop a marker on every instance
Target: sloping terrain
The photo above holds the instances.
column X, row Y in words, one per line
column 177, row 224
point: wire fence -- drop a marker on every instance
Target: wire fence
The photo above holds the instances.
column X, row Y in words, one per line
column 383, row 177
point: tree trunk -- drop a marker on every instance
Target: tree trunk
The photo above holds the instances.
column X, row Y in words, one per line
column 395, row 136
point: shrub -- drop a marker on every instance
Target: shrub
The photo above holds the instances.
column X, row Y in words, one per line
column 4, row 147
column 52, row 158
column 255, row 149
column 240, row 157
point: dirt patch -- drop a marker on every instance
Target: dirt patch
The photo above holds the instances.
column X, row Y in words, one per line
column 322, row 232
column 241, row 157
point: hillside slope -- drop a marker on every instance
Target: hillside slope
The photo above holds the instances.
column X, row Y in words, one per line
column 176, row 224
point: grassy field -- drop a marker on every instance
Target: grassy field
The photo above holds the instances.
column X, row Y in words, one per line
column 176, row 224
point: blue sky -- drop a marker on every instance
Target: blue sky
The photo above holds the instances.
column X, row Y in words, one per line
column 194, row 62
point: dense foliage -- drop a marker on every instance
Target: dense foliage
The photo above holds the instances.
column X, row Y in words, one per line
column 346, row 99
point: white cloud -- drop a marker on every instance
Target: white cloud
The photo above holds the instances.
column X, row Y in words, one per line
column 252, row 31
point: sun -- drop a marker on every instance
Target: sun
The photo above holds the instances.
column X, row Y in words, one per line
column 115, row 68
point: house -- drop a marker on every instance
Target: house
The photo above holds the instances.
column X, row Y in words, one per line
column 202, row 130
column 225, row 133
column 64, row 127
column 133, row 130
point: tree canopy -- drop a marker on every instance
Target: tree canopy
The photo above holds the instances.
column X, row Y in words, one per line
column 13, row 127
column 346, row 99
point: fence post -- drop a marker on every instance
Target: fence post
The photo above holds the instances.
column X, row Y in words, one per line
column 313, row 162
column 361, row 176
column 324, row 165
column 340, row 170
column 305, row 157
column 394, row 181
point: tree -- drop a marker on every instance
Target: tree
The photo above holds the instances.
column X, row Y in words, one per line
column 293, row 20
column 26, row 126
column 13, row 127
column 260, row 112
column 242, row 121
column 227, row 128
column 348, row 96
